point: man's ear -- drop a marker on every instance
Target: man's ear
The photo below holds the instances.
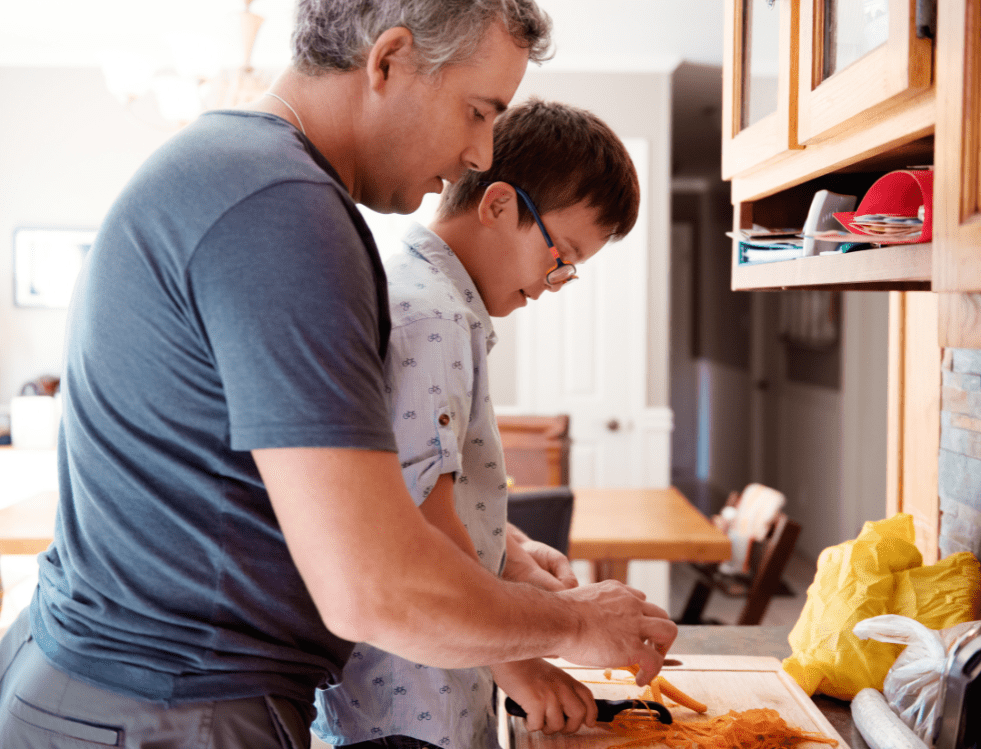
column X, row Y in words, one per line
column 393, row 48
column 499, row 200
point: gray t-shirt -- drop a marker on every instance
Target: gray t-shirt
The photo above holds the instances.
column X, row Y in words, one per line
column 233, row 299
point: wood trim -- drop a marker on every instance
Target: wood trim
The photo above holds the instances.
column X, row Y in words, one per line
column 868, row 139
column 960, row 320
column 898, row 69
column 915, row 361
column 957, row 183
column 894, row 404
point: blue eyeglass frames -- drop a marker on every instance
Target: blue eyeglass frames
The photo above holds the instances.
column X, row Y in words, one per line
column 562, row 272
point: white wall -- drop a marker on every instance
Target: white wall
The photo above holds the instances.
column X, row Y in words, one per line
column 615, row 32
column 833, row 442
column 68, row 148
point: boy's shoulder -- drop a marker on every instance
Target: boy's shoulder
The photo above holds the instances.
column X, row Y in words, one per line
column 419, row 290
column 426, row 281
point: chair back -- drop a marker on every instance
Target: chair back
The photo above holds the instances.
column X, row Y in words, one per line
column 755, row 513
column 544, row 514
column 777, row 548
column 536, row 449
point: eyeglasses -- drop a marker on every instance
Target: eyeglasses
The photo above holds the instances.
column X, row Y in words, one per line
column 562, row 272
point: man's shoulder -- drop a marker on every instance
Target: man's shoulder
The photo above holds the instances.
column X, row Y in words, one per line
column 235, row 154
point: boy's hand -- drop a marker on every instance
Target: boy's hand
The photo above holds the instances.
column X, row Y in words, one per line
column 553, row 700
column 552, row 562
column 536, row 563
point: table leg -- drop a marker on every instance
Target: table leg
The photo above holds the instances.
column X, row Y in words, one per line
column 610, row 569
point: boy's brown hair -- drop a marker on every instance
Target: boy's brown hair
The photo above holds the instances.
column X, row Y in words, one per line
column 561, row 156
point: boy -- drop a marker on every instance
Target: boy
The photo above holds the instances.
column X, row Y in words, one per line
column 561, row 186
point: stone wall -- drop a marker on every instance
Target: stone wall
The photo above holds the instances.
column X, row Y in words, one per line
column 960, row 452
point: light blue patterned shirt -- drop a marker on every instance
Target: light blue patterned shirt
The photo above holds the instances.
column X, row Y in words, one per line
column 436, row 374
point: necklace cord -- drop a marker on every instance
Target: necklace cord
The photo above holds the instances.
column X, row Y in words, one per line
column 287, row 104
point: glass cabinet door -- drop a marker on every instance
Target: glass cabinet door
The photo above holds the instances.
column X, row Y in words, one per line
column 760, row 44
column 759, row 83
column 852, row 29
column 857, row 57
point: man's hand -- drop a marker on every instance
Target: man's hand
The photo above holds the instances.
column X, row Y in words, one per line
column 536, row 563
column 553, row 700
column 619, row 627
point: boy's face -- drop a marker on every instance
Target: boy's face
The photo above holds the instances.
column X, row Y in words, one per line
column 512, row 273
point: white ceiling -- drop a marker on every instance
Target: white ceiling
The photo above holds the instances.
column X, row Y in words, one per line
column 614, row 34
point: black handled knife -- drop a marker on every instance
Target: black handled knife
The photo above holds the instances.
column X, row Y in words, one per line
column 607, row 709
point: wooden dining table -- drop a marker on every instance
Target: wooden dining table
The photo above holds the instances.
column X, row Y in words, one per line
column 612, row 527
column 27, row 527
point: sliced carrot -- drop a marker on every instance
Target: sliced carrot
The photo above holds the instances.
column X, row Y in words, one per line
column 672, row 692
column 662, row 686
column 751, row 729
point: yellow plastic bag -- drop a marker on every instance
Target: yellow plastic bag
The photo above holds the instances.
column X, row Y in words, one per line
column 940, row 595
column 880, row 572
column 854, row 581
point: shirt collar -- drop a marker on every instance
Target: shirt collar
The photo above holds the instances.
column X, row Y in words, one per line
column 430, row 247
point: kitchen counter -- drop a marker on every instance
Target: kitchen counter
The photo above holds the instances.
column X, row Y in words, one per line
column 762, row 640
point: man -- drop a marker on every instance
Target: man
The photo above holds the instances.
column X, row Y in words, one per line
column 232, row 510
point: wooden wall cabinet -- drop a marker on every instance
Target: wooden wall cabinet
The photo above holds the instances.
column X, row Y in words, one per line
column 908, row 101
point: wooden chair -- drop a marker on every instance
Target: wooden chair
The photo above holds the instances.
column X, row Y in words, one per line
column 536, row 449
column 769, row 559
column 544, row 514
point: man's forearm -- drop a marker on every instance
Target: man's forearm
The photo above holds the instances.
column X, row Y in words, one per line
column 380, row 573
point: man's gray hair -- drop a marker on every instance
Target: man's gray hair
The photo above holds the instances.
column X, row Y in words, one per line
column 336, row 35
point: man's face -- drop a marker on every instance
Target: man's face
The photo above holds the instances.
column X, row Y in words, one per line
column 511, row 274
column 437, row 127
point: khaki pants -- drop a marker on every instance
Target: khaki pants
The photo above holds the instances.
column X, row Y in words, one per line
column 43, row 707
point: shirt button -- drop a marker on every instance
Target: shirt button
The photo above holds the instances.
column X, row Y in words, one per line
column 444, row 419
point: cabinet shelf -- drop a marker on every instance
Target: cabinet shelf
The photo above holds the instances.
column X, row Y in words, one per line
column 899, row 268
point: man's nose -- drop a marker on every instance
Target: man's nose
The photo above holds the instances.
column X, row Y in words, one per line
column 480, row 154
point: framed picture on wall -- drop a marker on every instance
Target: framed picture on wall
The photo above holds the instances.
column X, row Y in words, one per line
column 46, row 264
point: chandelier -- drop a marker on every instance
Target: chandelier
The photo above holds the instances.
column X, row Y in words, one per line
column 191, row 79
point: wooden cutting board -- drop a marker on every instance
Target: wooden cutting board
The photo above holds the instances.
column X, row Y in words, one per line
column 723, row 683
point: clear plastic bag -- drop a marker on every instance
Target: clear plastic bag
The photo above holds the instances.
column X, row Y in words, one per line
column 912, row 685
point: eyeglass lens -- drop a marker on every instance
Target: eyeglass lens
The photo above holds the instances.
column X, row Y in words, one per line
column 561, row 274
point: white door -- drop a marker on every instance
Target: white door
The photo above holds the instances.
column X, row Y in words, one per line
column 584, row 351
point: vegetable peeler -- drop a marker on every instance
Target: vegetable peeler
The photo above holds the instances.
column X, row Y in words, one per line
column 607, row 709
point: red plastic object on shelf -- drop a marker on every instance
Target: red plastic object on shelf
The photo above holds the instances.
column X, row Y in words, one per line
column 899, row 193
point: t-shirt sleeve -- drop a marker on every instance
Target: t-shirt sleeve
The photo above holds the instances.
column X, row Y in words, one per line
column 287, row 296
column 430, row 372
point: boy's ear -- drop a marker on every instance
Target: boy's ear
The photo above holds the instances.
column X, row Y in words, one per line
column 392, row 49
column 498, row 200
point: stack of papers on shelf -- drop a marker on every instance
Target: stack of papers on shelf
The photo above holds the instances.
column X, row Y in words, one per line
column 788, row 249
column 762, row 245
column 763, row 235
